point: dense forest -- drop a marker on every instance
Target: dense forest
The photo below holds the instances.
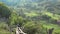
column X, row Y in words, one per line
column 31, row 16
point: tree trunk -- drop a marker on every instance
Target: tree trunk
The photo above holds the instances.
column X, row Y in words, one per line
column 50, row 31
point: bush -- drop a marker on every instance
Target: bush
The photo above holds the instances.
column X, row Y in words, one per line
column 32, row 28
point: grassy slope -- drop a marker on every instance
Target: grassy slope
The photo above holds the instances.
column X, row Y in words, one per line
column 55, row 26
column 49, row 25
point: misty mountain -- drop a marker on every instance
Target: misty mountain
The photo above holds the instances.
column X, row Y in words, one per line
column 38, row 5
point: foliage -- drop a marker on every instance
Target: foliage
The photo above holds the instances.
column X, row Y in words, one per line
column 4, row 10
column 12, row 18
column 32, row 28
column 35, row 16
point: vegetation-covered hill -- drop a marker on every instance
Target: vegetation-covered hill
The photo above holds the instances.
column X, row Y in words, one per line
column 33, row 16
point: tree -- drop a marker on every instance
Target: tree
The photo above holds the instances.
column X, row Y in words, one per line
column 4, row 11
column 12, row 18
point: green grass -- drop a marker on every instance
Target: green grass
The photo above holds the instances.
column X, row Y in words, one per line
column 49, row 25
column 3, row 31
column 31, row 14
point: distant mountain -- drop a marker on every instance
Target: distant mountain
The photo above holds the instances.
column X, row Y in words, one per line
column 38, row 5
column 14, row 2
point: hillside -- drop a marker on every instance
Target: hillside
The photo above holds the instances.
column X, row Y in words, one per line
column 32, row 16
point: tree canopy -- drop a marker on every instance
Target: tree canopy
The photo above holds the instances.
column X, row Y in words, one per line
column 4, row 11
